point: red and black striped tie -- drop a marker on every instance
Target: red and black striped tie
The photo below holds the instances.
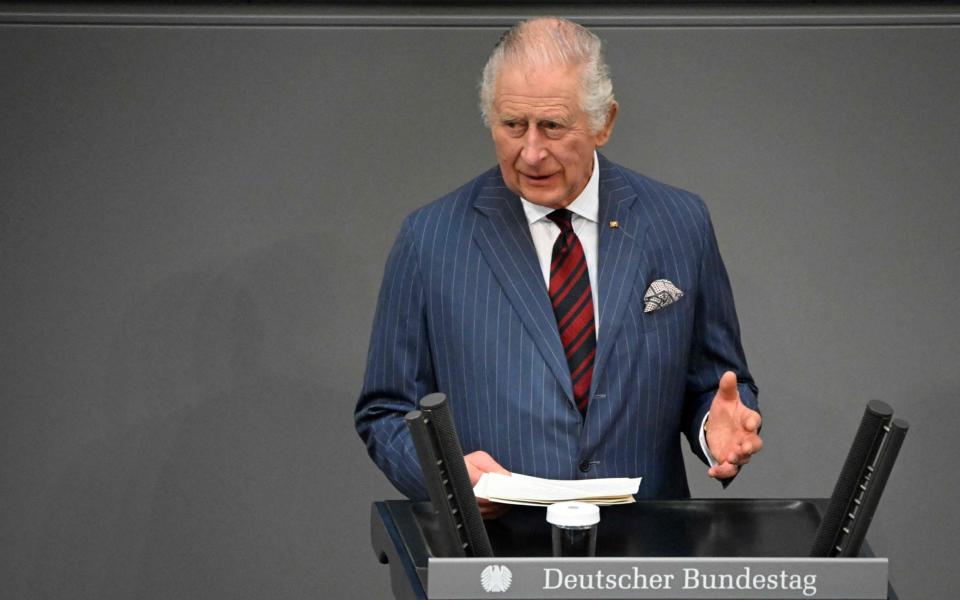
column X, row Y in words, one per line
column 573, row 306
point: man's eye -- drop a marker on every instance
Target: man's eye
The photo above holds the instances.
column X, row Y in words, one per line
column 550, row 125
column 515, row 127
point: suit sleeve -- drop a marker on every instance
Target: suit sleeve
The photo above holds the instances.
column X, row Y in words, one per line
column 716, row 346
column 399, row 369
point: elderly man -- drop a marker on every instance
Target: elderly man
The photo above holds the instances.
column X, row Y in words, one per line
column 576, row 313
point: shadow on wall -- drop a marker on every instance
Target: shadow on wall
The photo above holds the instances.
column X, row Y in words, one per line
column 224, row 423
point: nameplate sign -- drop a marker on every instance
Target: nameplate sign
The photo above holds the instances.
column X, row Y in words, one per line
column 688, row 578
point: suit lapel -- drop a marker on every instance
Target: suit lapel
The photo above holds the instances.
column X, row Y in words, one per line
column 620, row 253
column 504, row 239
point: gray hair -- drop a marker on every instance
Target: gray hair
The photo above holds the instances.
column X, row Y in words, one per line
column 553, row 41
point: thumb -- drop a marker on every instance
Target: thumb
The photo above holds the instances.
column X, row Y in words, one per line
column 727, row 390
column 473, row 472
column 484, row 463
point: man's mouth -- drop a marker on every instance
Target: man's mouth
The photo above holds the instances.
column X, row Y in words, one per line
column 537, row 178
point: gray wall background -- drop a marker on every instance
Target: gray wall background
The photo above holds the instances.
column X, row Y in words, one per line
column 195, row 211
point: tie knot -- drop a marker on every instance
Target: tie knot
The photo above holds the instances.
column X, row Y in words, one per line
column 562, row 218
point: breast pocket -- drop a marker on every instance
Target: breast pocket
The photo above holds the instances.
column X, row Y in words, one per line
column 665, row 311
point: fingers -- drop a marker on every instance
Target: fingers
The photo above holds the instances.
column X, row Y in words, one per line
column 744, row 450
column 494, row 511
column 478, row 463
column 729, row 467
column 491, row 510
column 750, row 419
column 733, row 431
column 751, row 445
column 736, row 459
column 722, row 471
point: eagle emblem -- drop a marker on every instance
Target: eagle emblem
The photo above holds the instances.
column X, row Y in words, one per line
column 496, row 578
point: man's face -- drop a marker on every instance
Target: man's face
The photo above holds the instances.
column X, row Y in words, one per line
column 542, row 136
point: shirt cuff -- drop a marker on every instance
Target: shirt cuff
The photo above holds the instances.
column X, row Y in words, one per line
column 703, row 442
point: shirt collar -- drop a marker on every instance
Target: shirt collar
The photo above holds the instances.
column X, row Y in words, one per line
column 586, row 205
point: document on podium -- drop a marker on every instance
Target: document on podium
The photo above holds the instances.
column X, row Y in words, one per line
column 534, row 491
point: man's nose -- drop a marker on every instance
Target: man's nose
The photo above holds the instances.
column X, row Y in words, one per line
column 534, row 149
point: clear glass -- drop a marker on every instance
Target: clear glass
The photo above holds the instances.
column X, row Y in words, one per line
column 575, row 541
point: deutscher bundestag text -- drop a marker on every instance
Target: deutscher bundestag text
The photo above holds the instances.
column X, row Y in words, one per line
column 688, row 578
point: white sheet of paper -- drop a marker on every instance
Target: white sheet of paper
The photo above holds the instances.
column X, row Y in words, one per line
column 524, row 489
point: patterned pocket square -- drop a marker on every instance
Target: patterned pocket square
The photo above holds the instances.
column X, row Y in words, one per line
column 661, row 293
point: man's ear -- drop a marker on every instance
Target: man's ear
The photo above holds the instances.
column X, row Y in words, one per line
column 604, row 134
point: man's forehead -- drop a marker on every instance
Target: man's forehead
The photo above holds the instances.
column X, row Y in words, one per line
column 554, row 89
column 519, row 104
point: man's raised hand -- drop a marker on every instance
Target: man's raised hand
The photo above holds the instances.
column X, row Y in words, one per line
column 732, row 430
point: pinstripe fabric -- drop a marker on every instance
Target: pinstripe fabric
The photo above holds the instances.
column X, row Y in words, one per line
column 463, row 309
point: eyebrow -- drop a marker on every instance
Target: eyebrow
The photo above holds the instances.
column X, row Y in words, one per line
column 562, row 119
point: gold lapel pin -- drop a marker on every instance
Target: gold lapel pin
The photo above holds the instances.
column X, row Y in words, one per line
column 614, row 224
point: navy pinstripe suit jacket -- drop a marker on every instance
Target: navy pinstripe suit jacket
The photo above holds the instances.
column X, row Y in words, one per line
column 464, row 310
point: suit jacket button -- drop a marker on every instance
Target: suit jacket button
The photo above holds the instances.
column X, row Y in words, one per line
column 585, row 466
